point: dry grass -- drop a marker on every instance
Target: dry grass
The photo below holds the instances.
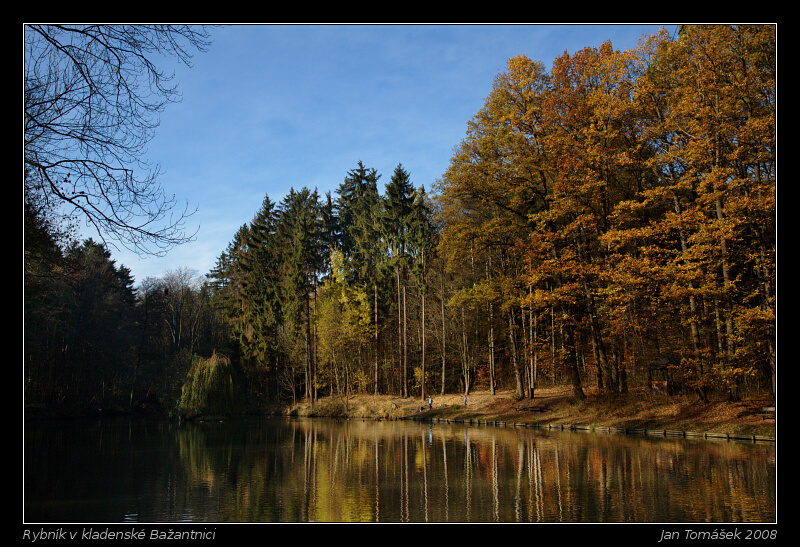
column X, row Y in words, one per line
column 634, row 410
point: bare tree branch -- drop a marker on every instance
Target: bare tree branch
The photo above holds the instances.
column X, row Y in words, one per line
column 93, row 97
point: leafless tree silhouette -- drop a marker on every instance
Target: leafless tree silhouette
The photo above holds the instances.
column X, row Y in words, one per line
column 93, row 98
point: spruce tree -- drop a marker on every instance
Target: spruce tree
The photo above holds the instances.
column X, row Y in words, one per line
column 262, row 291
column 302, row 246
column 359, row 210
column 397, row 220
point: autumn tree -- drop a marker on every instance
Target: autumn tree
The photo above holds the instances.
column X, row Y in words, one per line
column 624, row 202
column 709, row 101
column 497, row 179
column 589, row 134
column 344, row 325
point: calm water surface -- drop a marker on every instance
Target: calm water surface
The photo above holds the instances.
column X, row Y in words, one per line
column 319, row 470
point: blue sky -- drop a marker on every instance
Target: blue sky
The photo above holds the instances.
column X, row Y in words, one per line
column 269, row 108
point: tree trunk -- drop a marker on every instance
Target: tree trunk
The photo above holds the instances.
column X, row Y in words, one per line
column 609, row 379
column 726, row 278
column 375, row 340
column 400, row 337
column 444, row 336
column 695, row 332
column 465, row 364
column 491, row 349
column 569, row 343
column 422, row 357
column 534, row 322
column 513, row 341
column 405, row 342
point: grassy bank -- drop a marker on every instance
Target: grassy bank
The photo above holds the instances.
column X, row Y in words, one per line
column 637, row 410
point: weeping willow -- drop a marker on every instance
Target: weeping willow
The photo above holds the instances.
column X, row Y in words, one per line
column 208, row 389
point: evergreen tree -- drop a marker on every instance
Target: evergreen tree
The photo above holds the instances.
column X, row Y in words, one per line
column 262, row 293
column 359, row 210
column 358, row 207
column 95, row 303
column 230, row 275
column 422, row 231
column 396, row 223
column 302, row 246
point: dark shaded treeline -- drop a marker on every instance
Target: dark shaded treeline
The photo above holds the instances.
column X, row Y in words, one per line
column 609, row 223
column 92, row 342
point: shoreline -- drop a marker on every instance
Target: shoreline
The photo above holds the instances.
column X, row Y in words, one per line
column 637, row 412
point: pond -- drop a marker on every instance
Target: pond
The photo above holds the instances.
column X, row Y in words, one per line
column 324, row 470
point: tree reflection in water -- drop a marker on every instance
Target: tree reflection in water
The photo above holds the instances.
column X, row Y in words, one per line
column 320, row 470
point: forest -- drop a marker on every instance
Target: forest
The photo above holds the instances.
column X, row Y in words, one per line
column 607, row 222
